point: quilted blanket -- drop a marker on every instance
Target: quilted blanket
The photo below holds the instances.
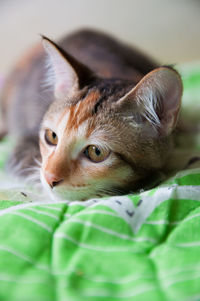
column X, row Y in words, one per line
column 144, row 246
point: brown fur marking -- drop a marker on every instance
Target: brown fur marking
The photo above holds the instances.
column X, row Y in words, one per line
column 82, row 110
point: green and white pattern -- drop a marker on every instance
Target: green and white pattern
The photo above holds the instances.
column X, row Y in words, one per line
column 139, row 247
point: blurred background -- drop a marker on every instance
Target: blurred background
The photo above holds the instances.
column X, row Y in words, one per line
column 168, row 30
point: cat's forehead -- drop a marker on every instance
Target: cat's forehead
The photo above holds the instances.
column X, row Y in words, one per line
column 95, row 101
column 109, row 90
column 81, row 111
column 87, row 104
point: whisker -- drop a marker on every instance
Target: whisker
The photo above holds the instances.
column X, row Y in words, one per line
column 39, row 163
column 109, row 191
column 33, row 178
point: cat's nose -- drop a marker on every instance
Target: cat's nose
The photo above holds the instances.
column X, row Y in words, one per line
column 52, row 179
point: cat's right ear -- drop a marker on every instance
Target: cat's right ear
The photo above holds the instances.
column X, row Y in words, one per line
column 69, row 74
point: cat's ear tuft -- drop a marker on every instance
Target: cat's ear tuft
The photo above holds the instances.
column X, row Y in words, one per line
column 65, row 77
column 155, row 100
column 69, row 74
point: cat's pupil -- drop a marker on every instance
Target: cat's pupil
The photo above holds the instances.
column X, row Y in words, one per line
column 97, row 151
column 54, row 135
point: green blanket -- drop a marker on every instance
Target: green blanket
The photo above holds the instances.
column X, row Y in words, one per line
column 138, row 247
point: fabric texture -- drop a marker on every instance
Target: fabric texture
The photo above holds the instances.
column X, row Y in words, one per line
column 140, row 247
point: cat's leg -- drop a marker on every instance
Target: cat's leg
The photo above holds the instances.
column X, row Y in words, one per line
column 25, row 158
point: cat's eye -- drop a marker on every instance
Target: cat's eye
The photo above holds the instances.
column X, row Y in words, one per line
column 96, row 154
column 50, row 137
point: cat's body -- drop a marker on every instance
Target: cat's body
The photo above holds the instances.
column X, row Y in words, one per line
column 114, row 104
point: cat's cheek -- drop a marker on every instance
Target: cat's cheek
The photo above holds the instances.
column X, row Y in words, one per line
column 43, row 149
column 45, row 152
column 101, row 169
column 115, row 173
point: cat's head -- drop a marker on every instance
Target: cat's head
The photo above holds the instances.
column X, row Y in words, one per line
column 102, row 136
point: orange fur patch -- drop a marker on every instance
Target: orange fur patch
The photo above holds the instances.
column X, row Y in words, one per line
column 82, row 110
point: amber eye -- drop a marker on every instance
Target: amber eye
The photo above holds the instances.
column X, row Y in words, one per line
column 96, row 154
column 51, row 137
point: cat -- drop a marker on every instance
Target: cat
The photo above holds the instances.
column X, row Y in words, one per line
column 99, row 118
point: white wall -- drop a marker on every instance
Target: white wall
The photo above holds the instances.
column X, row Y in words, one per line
column 169, row 30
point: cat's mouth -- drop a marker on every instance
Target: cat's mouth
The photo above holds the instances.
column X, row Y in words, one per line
column 71, row 188
column 72, row 193
column 69, row 192
column 77, row 186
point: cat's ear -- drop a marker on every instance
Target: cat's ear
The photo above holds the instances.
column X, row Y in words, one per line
column 69, row 74
column 155, row 100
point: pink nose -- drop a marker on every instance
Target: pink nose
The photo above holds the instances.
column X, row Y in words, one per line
column 52, row 179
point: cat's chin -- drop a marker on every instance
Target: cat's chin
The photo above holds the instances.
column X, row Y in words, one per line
column 70, row 195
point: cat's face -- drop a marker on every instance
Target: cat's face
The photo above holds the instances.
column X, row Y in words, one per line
column 102, row 138
column 79, row 150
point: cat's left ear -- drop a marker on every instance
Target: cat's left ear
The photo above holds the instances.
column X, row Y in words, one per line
column 155, row 101
column 70, row 75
